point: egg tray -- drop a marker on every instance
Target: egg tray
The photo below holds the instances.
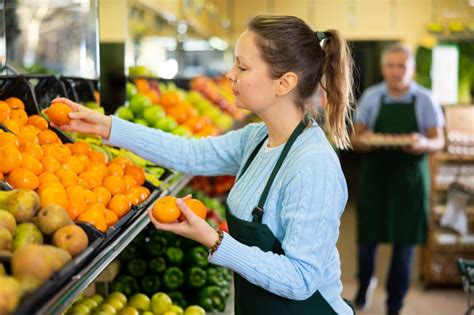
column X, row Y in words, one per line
column 380, row 140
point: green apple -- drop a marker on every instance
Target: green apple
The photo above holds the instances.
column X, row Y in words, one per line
column 160, row 303
column 131, row 90
column 182, row 131
column 140, row 301
column 153, row 113
column 80, row 309
column 169, row 313
column 106, row 308
column 90, row 303
column 129, row 310
column 98, row 298
column 124, row 112
column 148, row 313
column 194, row 310
column 166, row 124
column 115, row 303
column 138, row 104
column 119, row 296
column 91, row 104
column 141, row 121
column 178, row 310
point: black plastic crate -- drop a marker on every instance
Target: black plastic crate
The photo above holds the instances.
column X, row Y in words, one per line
column 80, row 90
column 46, row 88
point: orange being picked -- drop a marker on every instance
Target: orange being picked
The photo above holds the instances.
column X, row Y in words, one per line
column 59, row 113
column 15, row 103
column 197, row 207
column 165, row 210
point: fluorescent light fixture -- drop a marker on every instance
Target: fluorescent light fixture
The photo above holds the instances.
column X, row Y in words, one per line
column 196, row 45
column 168, row 69
column 218, row 43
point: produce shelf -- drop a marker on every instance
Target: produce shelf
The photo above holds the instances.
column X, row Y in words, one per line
column 91, row 270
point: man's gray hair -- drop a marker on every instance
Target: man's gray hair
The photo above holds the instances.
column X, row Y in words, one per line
column 395, row 48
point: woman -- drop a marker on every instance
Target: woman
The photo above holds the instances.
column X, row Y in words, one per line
column 286, row 205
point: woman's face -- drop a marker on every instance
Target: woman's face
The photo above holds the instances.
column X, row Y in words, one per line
column 251, row 83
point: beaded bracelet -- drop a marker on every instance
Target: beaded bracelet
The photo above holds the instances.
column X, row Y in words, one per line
column 217, row 243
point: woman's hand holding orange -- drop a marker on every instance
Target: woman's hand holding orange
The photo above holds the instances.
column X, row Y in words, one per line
column 193, row 227
column 85, row 120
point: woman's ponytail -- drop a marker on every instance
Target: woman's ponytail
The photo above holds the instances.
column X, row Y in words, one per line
column 337, row 83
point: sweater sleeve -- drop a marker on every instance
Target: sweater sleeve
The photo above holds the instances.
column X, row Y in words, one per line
column 312, row 203
column 209, row 156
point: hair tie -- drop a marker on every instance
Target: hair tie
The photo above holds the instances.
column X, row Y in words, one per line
column 320, row 35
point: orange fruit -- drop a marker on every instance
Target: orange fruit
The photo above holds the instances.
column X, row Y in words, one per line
column 96, row 156
column 76, row 192
column 96, row 218
column 110, row 217
column 122, row 160
column 1, row 176
column 38, row 122
column 59, row 113
column 55, row 195
column 142, row 85
column 25, row 136
column 75, row 163
column 15, row 103
column 91, row 197
column 10, row 158
column 80, row 147
column 169, row 99
column 34, row 149
column 63, row 152
column 103, row 195
column 115, row 169
column 84, row 160
column 92, row 180
column 30, row 163
column 96, row 206
column 76, row 207
column 50, row 164
column 120, row 205
column 136, row 172
column 98, row 168
column 114, row 184
column 47, row 137
column 138, row 194
column 47, row 177
column 9, row 138
column 67, row 177
column 197, row 207
column 133, row 197
column 129, row 182
column 4, row 111
column 165, row 210
column 20, row 116
column 31, row 128
column 12, row 125
column 23, row 178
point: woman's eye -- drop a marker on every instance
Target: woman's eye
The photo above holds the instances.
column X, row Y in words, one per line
column 242, row 69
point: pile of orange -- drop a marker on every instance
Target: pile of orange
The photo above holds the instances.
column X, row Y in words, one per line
column 72, row 175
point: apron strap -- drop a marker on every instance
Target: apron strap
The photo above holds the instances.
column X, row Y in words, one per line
column 252, row 156
column 257, row 213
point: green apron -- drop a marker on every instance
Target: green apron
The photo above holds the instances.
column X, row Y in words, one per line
column 249, row 298
column 393, row 198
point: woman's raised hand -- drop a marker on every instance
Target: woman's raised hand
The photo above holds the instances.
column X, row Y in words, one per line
column 85, row 120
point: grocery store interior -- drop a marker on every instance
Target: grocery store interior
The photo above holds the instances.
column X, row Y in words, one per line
column 75, row 234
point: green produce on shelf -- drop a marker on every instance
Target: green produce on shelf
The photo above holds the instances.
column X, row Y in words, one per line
column 212, row 298
column 216, row 276
column 160, row 303
column 137, row 267
column 128, row 285
column 156, row 245
column 157, row 265
column 173, row 278
column 133, row 250
column 178, row 298
column 197, row 256
column 195, row 277
column 174, row 255
column 150, row 284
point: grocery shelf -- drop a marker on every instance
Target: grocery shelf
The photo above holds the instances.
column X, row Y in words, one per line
column 439, row 211
column 91, row 270
column 445, row 156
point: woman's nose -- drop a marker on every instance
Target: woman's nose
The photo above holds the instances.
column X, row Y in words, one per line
column 230, row 75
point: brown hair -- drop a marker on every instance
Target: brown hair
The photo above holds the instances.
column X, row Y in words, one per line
column 287, row 44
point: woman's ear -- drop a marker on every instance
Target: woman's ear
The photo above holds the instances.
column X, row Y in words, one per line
column 286, row 83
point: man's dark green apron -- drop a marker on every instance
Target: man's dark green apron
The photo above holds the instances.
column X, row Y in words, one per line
column 393, row 198
column 249, row 298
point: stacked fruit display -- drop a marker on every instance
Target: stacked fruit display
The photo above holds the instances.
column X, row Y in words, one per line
column 71, row 175
column 34, row 243
column 159, row 261
column 117, row 303
column 213, row 185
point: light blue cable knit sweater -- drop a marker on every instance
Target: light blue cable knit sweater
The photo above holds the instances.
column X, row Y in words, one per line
column 303, row 208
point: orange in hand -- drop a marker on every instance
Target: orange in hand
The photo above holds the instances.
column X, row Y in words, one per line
column 165, row 210
column 197, row 207
column 59, row 113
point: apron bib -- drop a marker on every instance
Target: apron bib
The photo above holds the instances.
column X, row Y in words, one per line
column 249, row 298
column 393, row 198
